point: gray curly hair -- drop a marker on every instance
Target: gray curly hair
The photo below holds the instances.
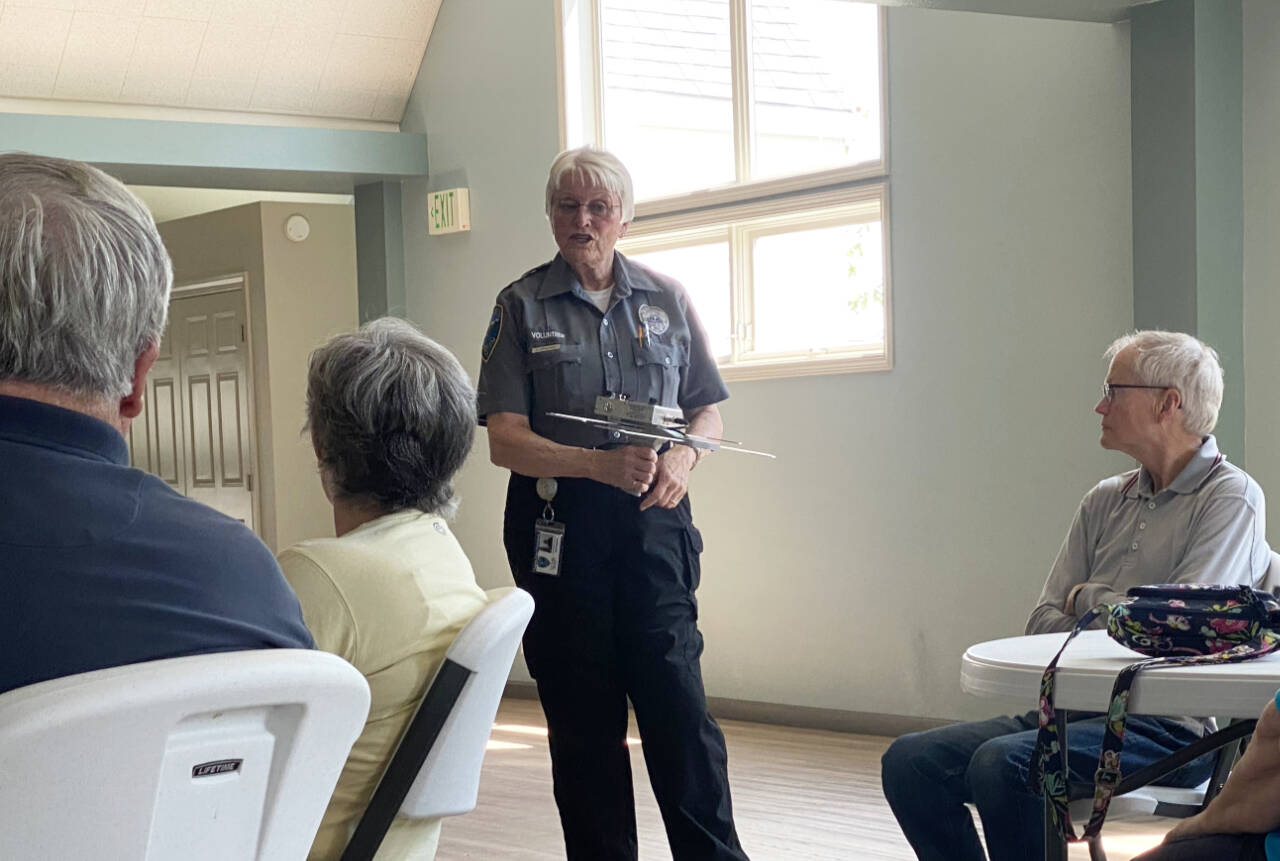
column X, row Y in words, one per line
column 392, row 415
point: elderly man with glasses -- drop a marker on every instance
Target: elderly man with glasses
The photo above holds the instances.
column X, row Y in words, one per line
column 1185, row 515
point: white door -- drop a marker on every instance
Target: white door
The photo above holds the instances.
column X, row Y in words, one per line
column 194, row 432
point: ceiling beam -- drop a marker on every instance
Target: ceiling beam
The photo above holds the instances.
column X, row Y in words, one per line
column 221, row 155
column 1098, row 11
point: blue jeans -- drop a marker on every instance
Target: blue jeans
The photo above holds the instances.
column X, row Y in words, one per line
column 929, row 776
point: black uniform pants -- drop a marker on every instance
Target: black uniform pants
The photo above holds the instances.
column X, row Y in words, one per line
column 621, row 621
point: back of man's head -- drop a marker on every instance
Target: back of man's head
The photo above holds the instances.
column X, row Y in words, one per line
column 84, row 278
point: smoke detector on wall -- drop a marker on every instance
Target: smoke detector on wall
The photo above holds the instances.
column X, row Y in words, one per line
column 297, row 228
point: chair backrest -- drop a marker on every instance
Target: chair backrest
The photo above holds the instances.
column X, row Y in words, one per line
column 449, row 780
column 435, row 770
column 220, row 757
column 1169, row 801
column 1271, row 579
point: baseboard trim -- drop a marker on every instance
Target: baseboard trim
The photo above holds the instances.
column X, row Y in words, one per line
column 780, row 714
column 807, row 717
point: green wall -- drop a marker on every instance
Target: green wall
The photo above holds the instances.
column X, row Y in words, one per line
column 948, row 482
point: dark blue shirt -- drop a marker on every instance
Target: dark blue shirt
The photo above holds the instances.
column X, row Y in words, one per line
column 102, row 564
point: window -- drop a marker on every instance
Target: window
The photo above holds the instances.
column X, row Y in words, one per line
column 754, row 132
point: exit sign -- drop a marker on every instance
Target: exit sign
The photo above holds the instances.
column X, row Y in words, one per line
column 448, row 211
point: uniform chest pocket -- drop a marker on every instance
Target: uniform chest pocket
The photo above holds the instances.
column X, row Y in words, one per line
column 557, row 378
column 659, row 367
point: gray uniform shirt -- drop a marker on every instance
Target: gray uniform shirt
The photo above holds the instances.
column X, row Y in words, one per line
column 1207, row 526
column 550, row 349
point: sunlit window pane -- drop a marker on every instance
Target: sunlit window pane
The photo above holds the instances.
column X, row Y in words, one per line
column 815, row 85
column 764, row 120
column 817, row 289
column 704, row 272
column 668, row 110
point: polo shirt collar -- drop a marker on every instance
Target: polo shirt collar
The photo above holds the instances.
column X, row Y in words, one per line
column 30, row 422
column 561, row 278
column 1193, row 475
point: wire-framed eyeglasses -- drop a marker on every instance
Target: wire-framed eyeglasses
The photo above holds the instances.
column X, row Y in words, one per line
column 1109, row 389
column 568, row 208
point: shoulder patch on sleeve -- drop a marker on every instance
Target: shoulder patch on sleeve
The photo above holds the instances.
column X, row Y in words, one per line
column 491, row 336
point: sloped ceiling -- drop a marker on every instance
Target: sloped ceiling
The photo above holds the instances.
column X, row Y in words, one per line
column 349, row 59
column 326, row 59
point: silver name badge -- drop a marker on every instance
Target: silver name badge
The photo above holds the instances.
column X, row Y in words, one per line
column 548, row 538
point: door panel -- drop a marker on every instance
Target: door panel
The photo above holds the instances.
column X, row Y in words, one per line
column 164, row 419
column 196, row 432
column 215, row 367
column 168, row 463
column 141, row 451
column 200, row 420
column 230, row 440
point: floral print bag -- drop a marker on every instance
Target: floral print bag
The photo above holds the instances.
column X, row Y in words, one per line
column 1174, row 624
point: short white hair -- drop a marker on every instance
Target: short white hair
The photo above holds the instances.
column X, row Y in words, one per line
column 84, row 277
column 1179, row 361
column 598, row 166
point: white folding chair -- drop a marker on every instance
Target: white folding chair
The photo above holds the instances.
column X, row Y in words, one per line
column 435, row 770
column 220, row 757
column 1146, row 801
column 1170, row 801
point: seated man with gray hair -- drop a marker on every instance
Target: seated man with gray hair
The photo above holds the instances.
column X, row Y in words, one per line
column 102, row 564
column 1184, row 516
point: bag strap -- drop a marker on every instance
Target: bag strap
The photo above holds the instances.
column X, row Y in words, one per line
column 1048, row 775
column 1049, row 770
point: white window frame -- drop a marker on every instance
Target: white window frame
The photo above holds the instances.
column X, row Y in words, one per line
column 739, row 210
column 739, row 225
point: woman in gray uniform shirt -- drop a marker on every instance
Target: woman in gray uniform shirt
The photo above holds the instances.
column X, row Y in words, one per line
column 616, row 616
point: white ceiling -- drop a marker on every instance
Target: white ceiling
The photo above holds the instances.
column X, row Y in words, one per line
column 350, row 59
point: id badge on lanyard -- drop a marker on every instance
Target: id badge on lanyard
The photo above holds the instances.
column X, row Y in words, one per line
column 548, row 534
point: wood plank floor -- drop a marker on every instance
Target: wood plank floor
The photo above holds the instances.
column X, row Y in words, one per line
column 799, row 795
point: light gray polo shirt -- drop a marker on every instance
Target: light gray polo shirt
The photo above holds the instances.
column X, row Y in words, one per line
column 1207, row 526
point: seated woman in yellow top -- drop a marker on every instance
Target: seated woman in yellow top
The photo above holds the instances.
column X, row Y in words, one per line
column 392, row 416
